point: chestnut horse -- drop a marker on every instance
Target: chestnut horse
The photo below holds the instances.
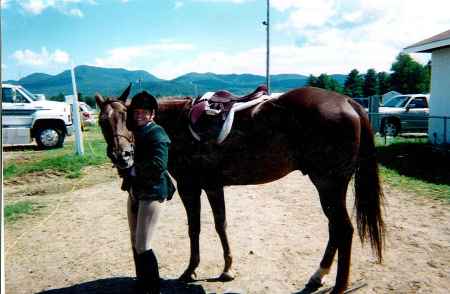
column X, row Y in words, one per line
column 325, row 135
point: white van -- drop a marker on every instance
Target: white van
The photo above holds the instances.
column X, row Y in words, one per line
column 25, row 118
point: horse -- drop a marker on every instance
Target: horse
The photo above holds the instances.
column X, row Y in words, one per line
column 323, row 134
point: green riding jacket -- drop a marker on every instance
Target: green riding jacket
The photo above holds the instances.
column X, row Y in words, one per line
column 150, row 160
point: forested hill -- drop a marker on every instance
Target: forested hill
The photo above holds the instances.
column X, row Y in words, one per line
column 111, row 81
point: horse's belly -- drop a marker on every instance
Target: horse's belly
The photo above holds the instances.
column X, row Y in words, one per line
column 258, row 164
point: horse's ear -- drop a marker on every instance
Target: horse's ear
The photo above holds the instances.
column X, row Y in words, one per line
column 125, row 94
column 99, row 99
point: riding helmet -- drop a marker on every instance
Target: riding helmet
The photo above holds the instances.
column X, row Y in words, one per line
column 144, row 100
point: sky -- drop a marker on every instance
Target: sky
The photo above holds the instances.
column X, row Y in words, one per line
column 169, row 38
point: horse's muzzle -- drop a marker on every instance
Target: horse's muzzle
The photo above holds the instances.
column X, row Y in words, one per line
column 123, row 159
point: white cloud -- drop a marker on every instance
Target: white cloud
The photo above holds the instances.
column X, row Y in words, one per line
column 132, row 56
column 284, row 59
column 178, row 4
column 250, row 61
column 5, row 3
column 76, row 12
column 34, row 6
column 41, row 59
column 231, row 1
column 386, row 21
column 64, row 6
column 337, row 35
column 60, row 56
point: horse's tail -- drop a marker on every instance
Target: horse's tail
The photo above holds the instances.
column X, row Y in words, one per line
column 368, row 192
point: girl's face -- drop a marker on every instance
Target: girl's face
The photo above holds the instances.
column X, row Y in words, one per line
column 142, row 117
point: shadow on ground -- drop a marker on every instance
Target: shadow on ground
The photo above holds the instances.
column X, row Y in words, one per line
column 416, row 160
column 11, row 148
column 125, row 285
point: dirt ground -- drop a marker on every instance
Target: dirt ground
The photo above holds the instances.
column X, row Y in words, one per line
column 79, row 242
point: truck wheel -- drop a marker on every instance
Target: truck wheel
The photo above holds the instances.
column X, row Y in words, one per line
column 49, row 137
column 390, row 128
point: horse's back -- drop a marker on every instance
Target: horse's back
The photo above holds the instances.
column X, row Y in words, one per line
column 327, row 128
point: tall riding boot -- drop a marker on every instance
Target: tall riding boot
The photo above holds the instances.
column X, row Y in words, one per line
column 135, row 257
column 148, row 273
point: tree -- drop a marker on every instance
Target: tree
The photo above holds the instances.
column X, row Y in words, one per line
column 353, row 84
column 409, row 76
column 312, row 81
column 370, row 83
column 384, row 83
column 324, row 81
column 89, row 100
column 335, row 86
column 60, row 97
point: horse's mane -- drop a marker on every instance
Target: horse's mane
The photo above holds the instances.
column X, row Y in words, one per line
column 174, row 102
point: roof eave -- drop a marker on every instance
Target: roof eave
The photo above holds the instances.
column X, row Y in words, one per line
column 428, row 47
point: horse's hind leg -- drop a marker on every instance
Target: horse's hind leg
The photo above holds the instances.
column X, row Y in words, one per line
column 332, row 192
column 217, row 202
column 190, row 196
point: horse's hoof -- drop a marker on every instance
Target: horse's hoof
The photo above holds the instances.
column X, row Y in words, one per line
column 312, row 286
column 226, row 277
column 187, row 277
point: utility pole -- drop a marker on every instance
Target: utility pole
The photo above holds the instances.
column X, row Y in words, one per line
column 267, row 24
column 79, row 148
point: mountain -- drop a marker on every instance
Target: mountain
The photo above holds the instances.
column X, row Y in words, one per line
column 90, row 79
column 239, row 84
column 111, row 81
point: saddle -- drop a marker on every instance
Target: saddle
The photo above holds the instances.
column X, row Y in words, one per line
column 212, row 115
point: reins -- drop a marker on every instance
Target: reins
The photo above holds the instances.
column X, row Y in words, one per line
column 129, row 139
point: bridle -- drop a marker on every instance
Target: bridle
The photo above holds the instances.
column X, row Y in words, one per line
column 114, row 154
column 130, row 139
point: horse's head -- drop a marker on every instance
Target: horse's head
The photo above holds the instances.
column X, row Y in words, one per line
column 113, row 122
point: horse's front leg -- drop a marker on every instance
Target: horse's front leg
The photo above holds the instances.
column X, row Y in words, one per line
column 217, row 202
column 190, row 196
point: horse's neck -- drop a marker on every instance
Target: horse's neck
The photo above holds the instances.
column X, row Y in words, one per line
column 173, row 116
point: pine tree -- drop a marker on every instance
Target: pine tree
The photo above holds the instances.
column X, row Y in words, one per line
column 409, row 76
column 370, row 83
column 384, row 83
column 312, row 81
column 353, row 84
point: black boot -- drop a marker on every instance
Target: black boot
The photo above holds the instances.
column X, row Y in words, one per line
column 135, row 257
column 148, row 273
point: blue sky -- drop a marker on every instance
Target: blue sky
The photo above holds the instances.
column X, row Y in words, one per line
column 169, row 38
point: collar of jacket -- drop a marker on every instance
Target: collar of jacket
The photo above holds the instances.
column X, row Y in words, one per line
column 145, row 129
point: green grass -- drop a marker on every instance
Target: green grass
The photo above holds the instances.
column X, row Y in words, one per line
column 62, row 160
column 413, row 165
column 408, row 164
column 14, row 211
column 417, row 186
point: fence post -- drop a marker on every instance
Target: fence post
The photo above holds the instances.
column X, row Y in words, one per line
column 445, row 131
column 374, row 105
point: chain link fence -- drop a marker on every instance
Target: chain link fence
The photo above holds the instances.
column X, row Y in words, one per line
column 409, row 123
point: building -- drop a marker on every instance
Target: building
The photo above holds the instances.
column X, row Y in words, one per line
column 439, row 47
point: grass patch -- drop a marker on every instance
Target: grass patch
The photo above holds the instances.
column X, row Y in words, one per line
column 420, row 187
column 416, row 167
column 14, row 211
column 63, row 160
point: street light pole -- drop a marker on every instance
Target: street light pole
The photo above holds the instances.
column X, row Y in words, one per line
column 268, row 47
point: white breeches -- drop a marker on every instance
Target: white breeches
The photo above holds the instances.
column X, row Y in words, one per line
column 143, row 223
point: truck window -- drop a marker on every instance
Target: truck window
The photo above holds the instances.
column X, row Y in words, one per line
column 20, row 98
column 419, row 102
column 7, row 95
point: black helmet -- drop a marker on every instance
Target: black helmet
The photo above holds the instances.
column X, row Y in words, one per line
column 144, row 100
